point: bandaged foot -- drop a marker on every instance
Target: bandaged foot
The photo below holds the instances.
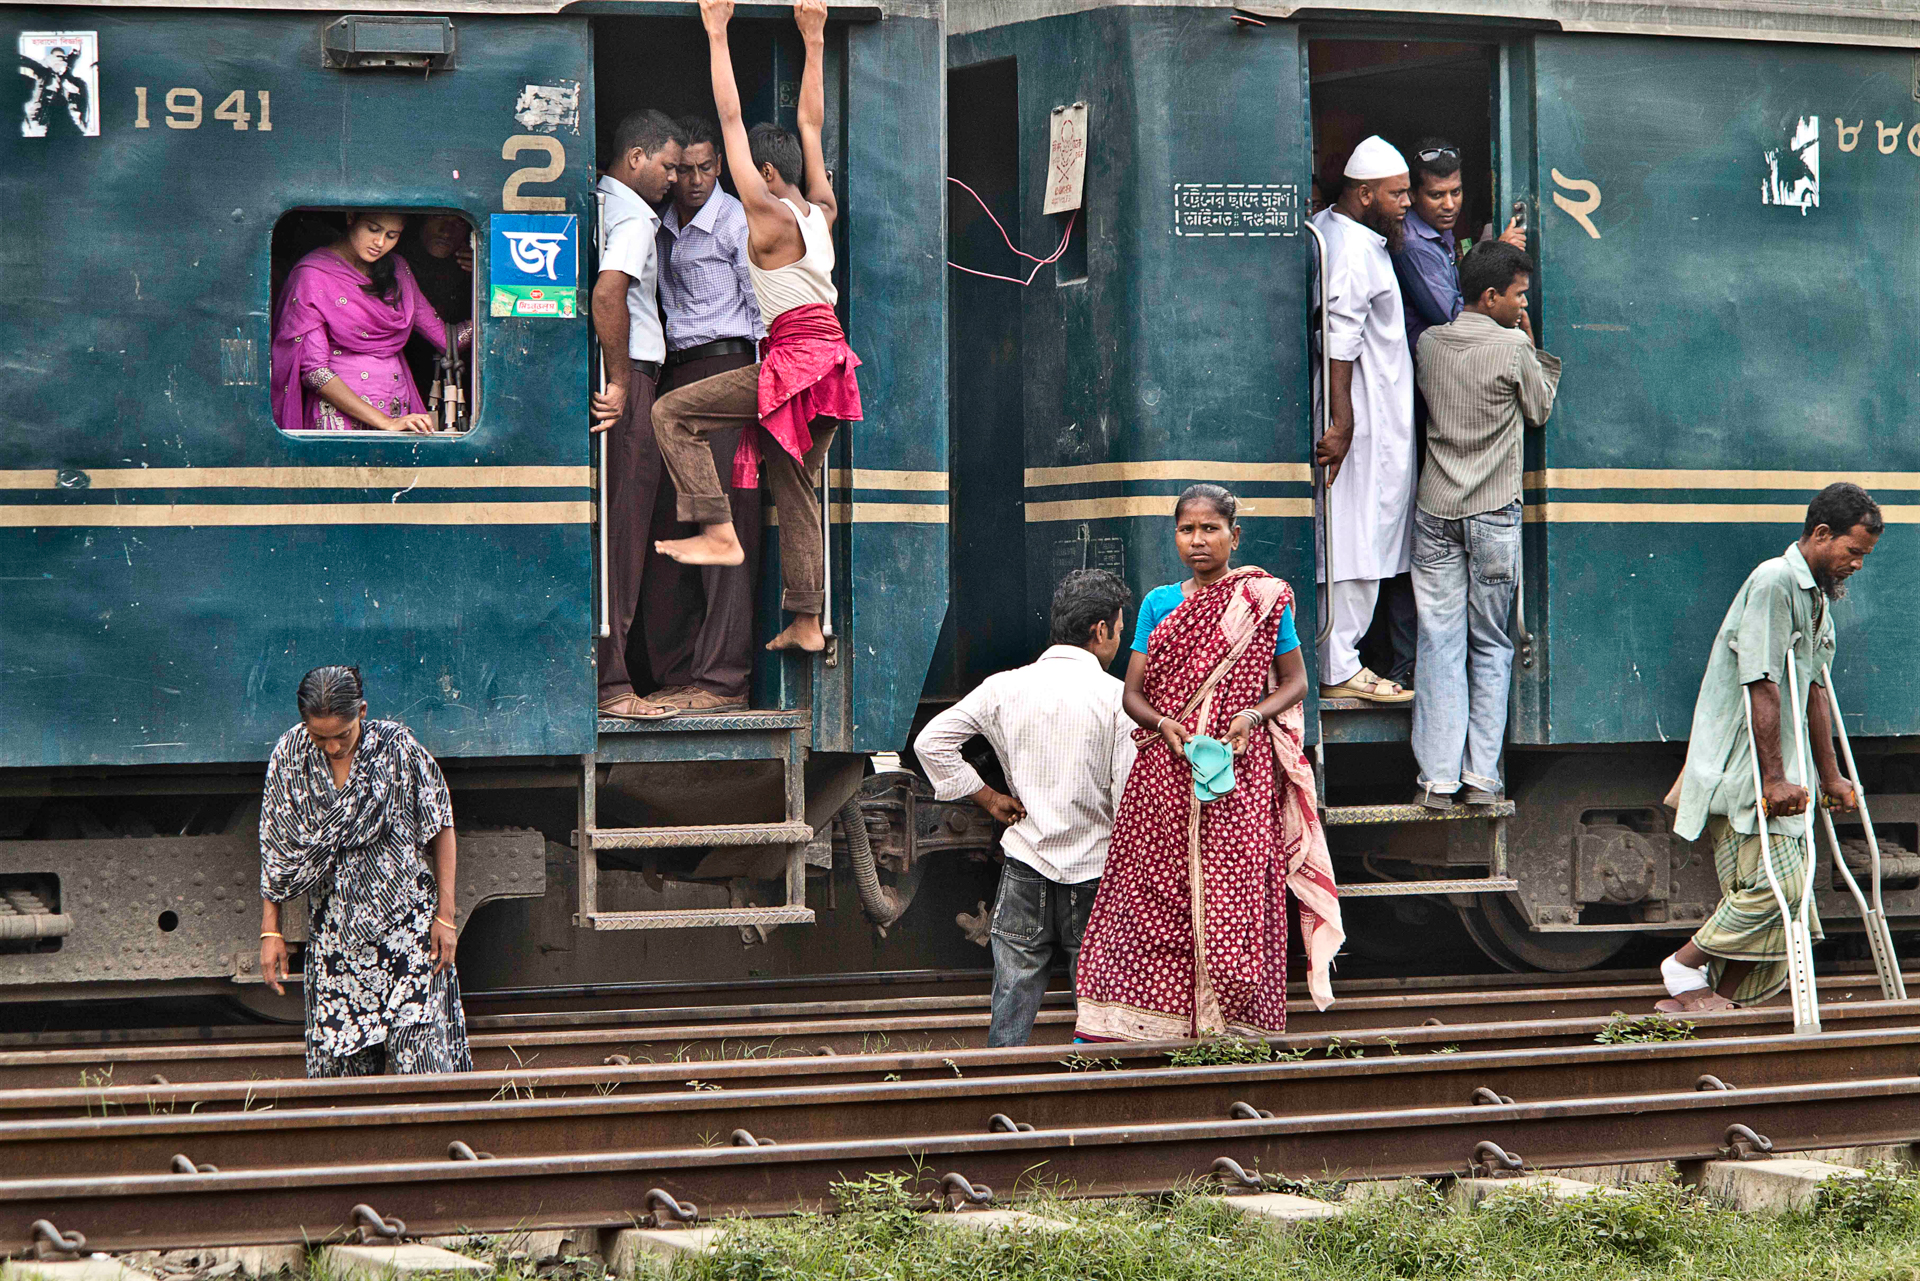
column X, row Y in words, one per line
column 713, row 545
column 1681, row 979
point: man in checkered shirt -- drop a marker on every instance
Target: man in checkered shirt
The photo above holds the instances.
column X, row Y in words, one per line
column 1066, row 745
column 703, row 657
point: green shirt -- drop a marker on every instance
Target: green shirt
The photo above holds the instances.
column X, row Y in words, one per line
column 1779, row 603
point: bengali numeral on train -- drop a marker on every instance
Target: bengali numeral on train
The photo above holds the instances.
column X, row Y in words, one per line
column 186, row 109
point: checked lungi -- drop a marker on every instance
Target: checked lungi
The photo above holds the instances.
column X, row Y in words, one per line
column 1746, row 926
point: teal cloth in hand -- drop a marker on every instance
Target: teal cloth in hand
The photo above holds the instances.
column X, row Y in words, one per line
column 1212, row 762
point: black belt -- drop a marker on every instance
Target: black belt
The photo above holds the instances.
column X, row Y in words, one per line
column 718, row 347
column 651, row 368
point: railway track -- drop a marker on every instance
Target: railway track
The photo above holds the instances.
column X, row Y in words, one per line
column 943, row 1025
column 561, row 1137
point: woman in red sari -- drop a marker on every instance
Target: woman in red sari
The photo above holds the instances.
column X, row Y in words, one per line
column 1188, row 935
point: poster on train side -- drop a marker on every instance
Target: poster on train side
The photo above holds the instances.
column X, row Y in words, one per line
column 62, row 73
column 533, row 268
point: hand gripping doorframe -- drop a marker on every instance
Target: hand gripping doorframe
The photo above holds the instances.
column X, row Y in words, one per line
column 1806, row 1006
column 1886, row 962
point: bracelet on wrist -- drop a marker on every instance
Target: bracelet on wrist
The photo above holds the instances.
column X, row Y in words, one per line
column 441, row 920
column 269, row 934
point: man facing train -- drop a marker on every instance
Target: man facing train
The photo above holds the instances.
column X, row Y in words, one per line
column 1740, row 955
column 1369, row 396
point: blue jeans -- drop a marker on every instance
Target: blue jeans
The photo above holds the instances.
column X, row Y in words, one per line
column 1464, row 576
column 1032, row 918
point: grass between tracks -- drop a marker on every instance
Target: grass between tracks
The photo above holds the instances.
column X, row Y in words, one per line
column 1868, row 1230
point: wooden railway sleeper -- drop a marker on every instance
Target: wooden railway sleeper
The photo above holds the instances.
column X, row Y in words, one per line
column 373, row 1226
column 1742, row 1144
column 665, row 1212
column 50, row 1243
column 1494, row 1161
column 956, row 1190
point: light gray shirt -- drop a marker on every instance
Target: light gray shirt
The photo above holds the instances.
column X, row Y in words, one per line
column 1481, row 381
column 1059, row 731
column 1779, row 605
column 630, row 228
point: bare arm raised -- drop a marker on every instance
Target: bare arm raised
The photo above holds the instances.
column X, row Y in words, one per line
column 811, row 17
column 772, row 233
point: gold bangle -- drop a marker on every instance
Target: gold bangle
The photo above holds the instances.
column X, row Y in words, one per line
column 269, row 934
column 441, row 921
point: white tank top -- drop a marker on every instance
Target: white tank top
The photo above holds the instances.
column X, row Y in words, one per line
column 801, row 283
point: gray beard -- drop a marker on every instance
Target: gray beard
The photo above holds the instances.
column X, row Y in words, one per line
column 1830, row 587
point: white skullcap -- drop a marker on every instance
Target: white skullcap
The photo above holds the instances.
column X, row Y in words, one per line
column 1375, row 158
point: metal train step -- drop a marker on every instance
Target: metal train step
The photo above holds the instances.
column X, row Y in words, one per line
column 1393, row 889
column 1354, row 815
column 707, row 723
column 654, row 838
column 695, row 918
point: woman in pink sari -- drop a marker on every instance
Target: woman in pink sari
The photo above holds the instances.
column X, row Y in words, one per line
column 1188, row 935
column 345, row 314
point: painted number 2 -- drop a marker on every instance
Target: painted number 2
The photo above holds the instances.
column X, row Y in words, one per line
column 510, row 198
column 186, row 109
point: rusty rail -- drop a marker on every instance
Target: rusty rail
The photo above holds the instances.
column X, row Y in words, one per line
column 607, row 1189
column 774, row 1109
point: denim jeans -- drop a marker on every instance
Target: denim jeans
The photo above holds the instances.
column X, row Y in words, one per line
column 1032, row 918
column 1464, row 577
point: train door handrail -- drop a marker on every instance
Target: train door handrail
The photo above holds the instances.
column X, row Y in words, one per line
column 600, row 437
column 1323, row 492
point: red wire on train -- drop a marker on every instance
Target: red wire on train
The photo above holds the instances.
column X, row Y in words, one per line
column 1038, row 263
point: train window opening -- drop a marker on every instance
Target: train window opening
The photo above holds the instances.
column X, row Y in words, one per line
column 372, row 320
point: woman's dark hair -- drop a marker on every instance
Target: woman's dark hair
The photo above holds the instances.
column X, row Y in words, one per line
column 1085, row 598
column 383, row 272
column 330, row 691
column 1840, row 507
column 1214, row 496
column 772, row 145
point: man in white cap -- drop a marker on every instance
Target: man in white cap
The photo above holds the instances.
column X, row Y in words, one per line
column 1367, row 447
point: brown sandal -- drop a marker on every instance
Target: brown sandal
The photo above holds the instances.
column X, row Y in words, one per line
column 1364, row 684
column 632, row 707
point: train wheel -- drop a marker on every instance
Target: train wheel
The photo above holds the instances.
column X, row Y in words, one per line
column 1499, row 930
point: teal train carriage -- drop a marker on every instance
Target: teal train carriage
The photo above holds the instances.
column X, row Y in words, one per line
column 1720, row 201
column 175, row 561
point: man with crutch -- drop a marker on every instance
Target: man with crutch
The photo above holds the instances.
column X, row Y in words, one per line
column 1748, row 754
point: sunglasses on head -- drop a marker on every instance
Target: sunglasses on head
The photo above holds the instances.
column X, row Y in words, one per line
column 1434, row 153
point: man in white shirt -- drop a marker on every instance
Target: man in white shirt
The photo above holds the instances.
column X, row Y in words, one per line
column 1066, row 745
column 1368, row 444
column 626, row 317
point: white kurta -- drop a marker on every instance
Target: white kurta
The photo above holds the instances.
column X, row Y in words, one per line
column 1372, row 501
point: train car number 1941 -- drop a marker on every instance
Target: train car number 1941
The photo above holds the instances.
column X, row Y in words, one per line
column 186, row 109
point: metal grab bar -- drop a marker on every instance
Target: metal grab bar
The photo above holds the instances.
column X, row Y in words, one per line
column 600, row 437
column 1323, row 492
column 826, row 542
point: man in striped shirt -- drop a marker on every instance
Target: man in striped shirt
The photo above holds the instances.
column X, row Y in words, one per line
column 1482, row 378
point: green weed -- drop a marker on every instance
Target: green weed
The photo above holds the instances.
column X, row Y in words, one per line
column 1625, row 1029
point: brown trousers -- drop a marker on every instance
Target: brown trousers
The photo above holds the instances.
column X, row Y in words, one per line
column 732, row 401
column 632, row 479
column 698, row 619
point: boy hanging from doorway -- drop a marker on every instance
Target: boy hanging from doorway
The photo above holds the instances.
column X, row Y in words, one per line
column 804, row 386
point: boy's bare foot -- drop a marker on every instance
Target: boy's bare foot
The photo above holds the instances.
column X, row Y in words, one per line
column 713, row 545
column 802, row 633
